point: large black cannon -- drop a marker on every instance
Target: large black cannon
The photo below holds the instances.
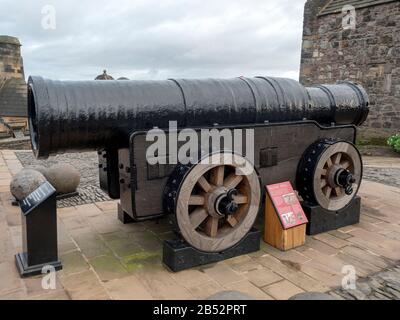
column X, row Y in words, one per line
column 301, row 134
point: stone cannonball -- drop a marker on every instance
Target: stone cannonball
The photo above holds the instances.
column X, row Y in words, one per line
column 25, row 182
column 63, row 177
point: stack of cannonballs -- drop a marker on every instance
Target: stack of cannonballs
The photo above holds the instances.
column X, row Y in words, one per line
column 63, row 177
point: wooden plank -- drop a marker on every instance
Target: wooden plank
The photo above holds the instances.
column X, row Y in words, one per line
column 197, row 200
column 217, row 176
column 232, row 181
column 211, row 227
column 198, row 216
column 203, row 183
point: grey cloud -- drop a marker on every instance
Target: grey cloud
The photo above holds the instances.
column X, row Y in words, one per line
column 150, row 39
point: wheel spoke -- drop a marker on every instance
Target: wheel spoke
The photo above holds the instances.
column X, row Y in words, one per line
column 320, row 172
column 217, row 176
column 232, row 221
column 203, row 183
column 323, row 183
column 338, row 157
column 196, row 200
column 232, row 181
column 345, row 164
column 240, row 199
column 338, row 191
column 198, row 216
column 211, row 227
column 329, row 162
column 328, row 192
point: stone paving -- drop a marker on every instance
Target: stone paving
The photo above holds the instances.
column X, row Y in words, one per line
column 383, row 170
column 104, row 259
column 384, row 285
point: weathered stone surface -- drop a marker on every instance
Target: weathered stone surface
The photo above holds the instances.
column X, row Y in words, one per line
column 282, row 290
column 367, row 55
column 12, row 81
column 312, row 296
column 42, row 169
column 25, row 182
column 229, row 295
column 384, row 285
column 64, row 177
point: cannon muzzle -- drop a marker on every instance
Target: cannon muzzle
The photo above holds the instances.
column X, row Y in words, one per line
column 91, row 115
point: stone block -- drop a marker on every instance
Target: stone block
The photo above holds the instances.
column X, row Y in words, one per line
column 282, row 290
column 129, row 288
column 262, row 277
column 222, row 274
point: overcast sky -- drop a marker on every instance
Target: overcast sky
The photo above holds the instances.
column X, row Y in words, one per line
column 157, row 39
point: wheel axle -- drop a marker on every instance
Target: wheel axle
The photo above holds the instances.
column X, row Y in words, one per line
column 225, row 204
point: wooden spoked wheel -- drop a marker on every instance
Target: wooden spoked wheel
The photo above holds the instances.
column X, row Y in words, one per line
column 330, row 174
column 217, row 202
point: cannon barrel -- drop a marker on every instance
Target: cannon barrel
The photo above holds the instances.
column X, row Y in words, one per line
column 91, row 115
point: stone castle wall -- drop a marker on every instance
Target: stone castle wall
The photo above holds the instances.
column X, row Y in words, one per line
column 13, row 93
column 369, row 55
column 11, row 65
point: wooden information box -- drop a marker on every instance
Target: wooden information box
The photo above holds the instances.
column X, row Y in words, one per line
column 285, row 221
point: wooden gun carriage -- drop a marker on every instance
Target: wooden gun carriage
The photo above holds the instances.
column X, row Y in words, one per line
column 302, row 134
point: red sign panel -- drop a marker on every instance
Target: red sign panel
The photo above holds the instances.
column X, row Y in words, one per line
column 287, row 205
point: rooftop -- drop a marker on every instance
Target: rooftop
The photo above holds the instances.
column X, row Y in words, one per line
column 336, row 6
column 9, row 40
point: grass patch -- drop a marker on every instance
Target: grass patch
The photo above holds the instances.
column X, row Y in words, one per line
column 372, row 141
column 140, row 259
column 394, row 142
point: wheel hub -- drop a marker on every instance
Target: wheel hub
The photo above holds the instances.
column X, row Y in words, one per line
column 225, row 204
column 212, row 199
column 332, row 174
column 345, row 179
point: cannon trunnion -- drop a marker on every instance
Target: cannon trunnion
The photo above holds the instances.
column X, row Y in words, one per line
column 304, row 135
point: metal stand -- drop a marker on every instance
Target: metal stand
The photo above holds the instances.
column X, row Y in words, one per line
column 321, row 220
column 39, row 232
column 60, row 196
column 178, row 255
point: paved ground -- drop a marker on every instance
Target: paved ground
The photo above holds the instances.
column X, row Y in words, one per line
column 383, row 170
column 384, row 285
column 104, row 259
